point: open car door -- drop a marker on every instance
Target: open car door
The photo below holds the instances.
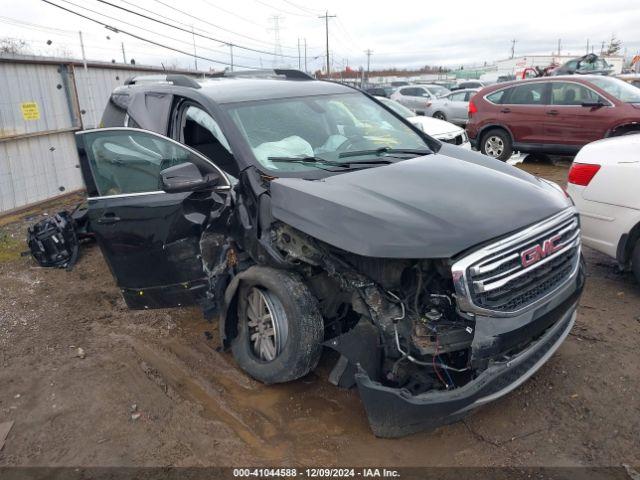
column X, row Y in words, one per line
column 150, row 201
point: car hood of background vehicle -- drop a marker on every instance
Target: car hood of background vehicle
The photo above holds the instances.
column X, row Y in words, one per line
column 433, row 126
column 428, row 207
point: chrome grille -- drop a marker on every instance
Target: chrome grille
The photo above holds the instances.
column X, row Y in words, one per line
column 495, row 279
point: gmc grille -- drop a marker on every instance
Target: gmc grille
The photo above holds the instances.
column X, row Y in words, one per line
column 495, row 279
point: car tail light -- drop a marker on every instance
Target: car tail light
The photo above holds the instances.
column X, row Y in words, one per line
column 582, row 173
column 472, row 108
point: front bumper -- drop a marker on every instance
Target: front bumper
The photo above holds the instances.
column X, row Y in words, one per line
column 394, row 412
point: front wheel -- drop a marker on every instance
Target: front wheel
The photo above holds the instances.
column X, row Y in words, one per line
column 635, row 261
column 280, row 328
column 440, row 116
column 497, row 144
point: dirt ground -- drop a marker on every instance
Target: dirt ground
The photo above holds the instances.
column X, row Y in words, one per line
column 196, row 408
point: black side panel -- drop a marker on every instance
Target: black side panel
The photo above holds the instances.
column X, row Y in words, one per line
column 150, row 110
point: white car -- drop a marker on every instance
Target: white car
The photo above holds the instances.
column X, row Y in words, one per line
column 604, row 183
column 443, row 131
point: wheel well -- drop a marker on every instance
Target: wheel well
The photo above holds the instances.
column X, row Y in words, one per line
column 626, row 245
column 487, row 129
column 624, row 129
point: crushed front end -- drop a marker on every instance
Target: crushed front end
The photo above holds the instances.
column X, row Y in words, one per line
column 428, row 340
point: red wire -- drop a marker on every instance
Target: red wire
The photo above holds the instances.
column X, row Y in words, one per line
column 434, row 364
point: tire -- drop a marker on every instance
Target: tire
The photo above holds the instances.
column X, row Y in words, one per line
column 497, row 143
column 440, row 116
column 290, row 313
column 635, row 261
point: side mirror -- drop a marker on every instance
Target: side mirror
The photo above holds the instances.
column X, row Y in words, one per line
column 186, row 178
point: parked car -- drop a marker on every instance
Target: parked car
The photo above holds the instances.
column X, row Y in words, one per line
column 380, row 91
column 435, row 89
column 453, row 107
column 399, row 83
column 443, row 131
column 630, row 78
column 590, row 64
column 416, row 97
column 424, row 265
column 604, row 183
column 476, row 84
column 556, row 115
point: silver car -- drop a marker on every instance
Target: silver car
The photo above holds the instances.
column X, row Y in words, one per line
column 416, row 97
column 453, row 107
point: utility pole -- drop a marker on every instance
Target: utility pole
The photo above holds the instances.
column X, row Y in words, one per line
column 124, row 57
column 559, row 46
column 231, row 56
column 368, row 51
column 195, row 54
column 326, row 17
column 305, row 55
column 299, row 58
column 587, row 45
column 277, row 49
column 513, row 47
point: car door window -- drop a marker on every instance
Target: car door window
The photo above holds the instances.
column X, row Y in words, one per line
column 530, row 94
column 457, row 97
column 468, row 95
column 127, row 161
column 200, row 131
column 408, row 92
column 497, row 97
column 568, row 93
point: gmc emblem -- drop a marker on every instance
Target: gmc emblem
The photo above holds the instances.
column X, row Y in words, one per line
column 538, row 252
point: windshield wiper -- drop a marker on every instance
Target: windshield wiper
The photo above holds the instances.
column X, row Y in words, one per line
column 381, row 150
column 323, row 161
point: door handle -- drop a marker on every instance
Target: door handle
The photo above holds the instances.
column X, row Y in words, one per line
column 108, row 218
column 505, row 110
column 552, row 112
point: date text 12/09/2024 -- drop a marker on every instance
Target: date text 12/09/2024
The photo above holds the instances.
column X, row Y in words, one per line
column 315, row 473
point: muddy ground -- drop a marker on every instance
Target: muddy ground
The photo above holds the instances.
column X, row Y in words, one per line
column 197, row 408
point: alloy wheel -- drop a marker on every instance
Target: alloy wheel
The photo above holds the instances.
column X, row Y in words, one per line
column 494, row 146
column 267, row 324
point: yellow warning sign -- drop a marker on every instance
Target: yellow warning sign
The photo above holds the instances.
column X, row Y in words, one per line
column 30, row 111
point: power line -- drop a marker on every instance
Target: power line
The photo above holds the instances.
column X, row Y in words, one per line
column 189, row 31
column 146, row 29
column 212, row 5
column 110, row 27
column 282, row 10
column 300, row 7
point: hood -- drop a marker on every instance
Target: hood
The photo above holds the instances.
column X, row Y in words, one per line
column 433, row 126
column 434, row 206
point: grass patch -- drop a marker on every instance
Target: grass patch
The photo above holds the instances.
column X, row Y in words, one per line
column 10, row 247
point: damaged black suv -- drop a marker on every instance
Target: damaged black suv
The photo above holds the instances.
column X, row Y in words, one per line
column 305, row 214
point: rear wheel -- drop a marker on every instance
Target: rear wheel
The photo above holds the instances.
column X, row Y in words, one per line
column 635, row 261
column 280, row 328
column 440, row 116
column 497, row 143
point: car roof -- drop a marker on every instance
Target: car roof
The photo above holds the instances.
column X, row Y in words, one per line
column 231, row 90
column 574, row 78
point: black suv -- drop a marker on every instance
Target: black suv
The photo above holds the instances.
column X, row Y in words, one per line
column 304, row 214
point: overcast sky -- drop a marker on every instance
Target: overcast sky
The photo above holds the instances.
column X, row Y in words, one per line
column 402, row 33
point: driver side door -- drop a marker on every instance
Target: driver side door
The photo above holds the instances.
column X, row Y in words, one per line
column 150, row 238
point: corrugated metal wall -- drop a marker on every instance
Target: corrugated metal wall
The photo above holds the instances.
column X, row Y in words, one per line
column 42, row 103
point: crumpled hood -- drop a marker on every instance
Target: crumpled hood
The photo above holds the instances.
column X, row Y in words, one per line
column 428, row 207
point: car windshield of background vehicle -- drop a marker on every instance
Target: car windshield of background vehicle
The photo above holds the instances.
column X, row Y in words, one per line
column 398, row 108
column 322, row 127
column 618, row 89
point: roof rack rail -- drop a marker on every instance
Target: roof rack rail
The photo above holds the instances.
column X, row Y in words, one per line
column 173, row 79
column 286, row 73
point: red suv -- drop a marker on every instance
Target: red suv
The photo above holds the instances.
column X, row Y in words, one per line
column 555, row 115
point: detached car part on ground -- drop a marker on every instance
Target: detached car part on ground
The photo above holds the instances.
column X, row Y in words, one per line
column 442, row 277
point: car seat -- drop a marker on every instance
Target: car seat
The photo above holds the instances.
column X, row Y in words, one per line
column 201, row 139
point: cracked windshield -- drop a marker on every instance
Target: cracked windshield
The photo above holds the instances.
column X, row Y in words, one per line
column 324, row 131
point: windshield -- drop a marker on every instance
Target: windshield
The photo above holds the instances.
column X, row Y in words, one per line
column 438, row 90
column 618, row 89
column 396, row 107
column 329, row 128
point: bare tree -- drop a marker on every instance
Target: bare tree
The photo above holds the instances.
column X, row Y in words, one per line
column 14, row 46
column 614, row 47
